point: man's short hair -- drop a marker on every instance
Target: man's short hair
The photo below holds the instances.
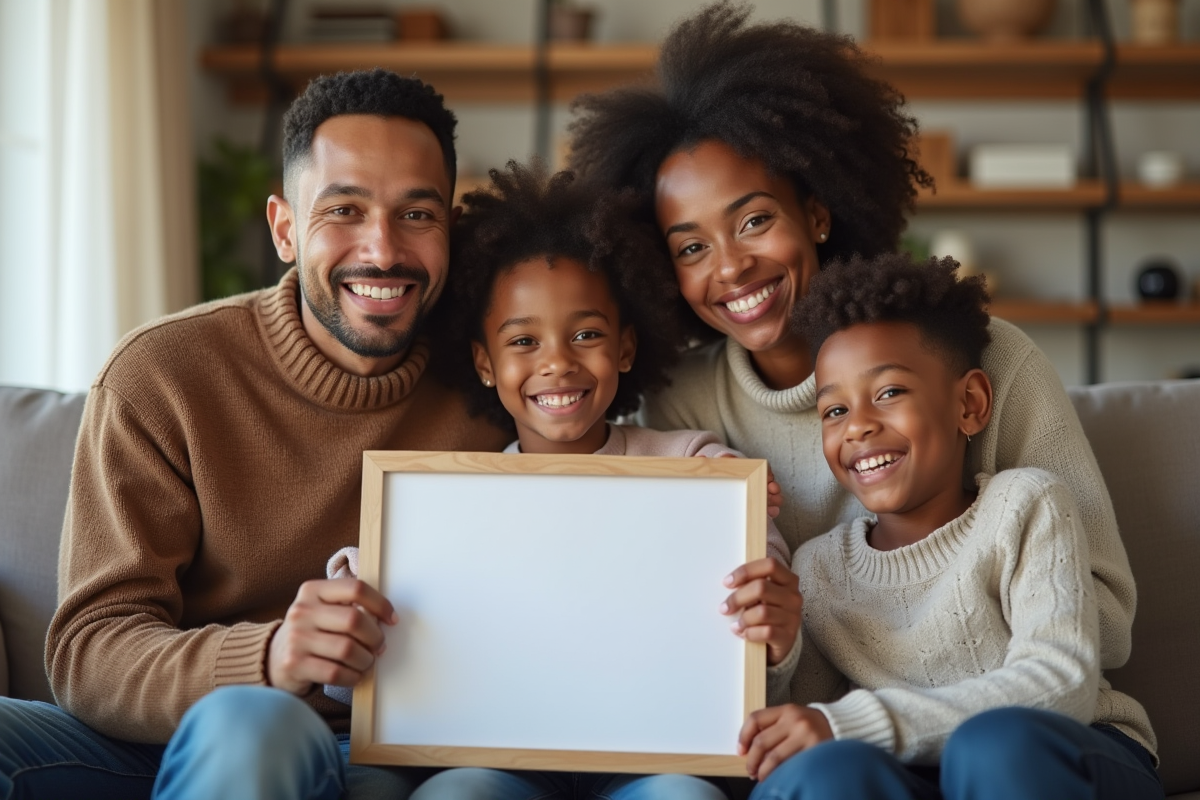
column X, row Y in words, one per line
column 378, row 92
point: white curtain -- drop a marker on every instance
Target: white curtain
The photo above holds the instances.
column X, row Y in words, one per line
column 97, row 208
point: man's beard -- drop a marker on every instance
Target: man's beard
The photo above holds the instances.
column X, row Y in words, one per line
column 381, row 342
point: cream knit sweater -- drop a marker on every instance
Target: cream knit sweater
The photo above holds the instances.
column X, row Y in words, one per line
column 1033, row 425
column 993, row 609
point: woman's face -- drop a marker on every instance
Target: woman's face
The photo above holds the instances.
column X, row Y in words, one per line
column 743, row 244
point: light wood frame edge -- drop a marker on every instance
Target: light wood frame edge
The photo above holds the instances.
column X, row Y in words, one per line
column 376, row 463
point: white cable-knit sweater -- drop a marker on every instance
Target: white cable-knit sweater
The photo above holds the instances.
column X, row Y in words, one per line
column 993, row 609
column 1033, row 425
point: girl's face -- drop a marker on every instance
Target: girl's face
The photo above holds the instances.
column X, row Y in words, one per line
column 554, row 348
column 894, row 422
column 744, row 249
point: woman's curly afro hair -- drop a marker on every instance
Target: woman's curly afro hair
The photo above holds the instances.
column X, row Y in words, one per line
column 524, row 214
column 799, row 100
column 950, row 313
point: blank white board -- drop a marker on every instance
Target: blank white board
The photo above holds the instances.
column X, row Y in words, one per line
column 559, row 612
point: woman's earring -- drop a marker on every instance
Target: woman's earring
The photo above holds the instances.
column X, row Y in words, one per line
column 487, row 383
column 823, row 236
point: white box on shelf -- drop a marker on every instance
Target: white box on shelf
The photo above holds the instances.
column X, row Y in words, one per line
column 1044, row 166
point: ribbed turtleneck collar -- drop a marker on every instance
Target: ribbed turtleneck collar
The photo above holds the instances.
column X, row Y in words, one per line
column 916, row 562
column 800, row 397
column 315, row 376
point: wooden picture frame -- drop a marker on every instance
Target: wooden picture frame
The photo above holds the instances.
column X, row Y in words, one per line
column 624, row 664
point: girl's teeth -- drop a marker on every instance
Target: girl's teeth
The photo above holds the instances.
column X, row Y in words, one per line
column 874, row 462
column 744, row 304
column 377, row 292
column 558, row 400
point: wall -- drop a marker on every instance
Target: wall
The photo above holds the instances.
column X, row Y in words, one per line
column 1036, row 254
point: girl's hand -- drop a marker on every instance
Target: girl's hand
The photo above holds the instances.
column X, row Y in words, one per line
column 774, row 493
column 773, row 735
column 767, row 604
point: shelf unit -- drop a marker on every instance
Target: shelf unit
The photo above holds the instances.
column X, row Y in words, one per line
column 1094, row 70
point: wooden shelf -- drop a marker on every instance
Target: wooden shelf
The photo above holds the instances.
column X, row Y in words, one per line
column 1045, row 312
column 1165, row 312
column 946, row 68
column 462, row 71
column 1167, row 72
column 972, row 68
column 961, row 195
column 1137, row 196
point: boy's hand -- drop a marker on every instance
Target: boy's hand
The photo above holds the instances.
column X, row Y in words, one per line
column 767, row 604
column 330, row 634
column 773, row 735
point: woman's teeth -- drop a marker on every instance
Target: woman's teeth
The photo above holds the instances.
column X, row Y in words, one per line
column 377, row 292
column 558, row 400
column 744, row 304
column 874, row 463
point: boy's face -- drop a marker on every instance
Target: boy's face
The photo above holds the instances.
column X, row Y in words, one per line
column 554, row 349
column 892, row 419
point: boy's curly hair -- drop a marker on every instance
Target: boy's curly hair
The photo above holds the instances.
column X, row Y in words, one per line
column 950, row 313
column 797, row 99
column 524, row 214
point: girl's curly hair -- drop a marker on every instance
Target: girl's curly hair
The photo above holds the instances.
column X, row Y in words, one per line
column 525, row 214
column 797, row 99
column 950, row 313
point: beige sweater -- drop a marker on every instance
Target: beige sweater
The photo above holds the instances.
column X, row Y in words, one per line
column 218, row 465
column 1033, row 425
column 994, row 609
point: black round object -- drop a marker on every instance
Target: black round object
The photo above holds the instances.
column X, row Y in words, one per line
column 1158, row 280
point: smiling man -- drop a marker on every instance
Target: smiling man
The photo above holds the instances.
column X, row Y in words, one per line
column 218, row 467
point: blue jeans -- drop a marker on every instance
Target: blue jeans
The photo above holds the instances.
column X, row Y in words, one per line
column 493, row 784
column 237, row 742
column 998, row 755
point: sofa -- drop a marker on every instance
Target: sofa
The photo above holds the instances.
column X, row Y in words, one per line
column 1146, row 437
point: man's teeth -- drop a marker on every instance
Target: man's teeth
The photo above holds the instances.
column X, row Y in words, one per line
column 744, row 304
column 377, row 292
column 874, row 462
column 558, row 400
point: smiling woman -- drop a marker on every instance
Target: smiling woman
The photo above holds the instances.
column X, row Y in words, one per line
column 765, row 154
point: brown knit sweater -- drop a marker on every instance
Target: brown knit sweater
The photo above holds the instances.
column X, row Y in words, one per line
column 218, row 465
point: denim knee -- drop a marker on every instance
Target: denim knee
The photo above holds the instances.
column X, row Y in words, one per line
column 836, row 768
column 1003, row 739
column 659, row 787
column 268, row 742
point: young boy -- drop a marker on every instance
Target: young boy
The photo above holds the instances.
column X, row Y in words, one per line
column 961, row 600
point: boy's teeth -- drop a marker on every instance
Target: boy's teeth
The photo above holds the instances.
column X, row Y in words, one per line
column 558, row 400
column 744, row 304
column 874, row 462
column 377, row 292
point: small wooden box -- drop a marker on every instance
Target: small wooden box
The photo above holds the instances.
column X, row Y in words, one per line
column 902, row 20
column 935, row 152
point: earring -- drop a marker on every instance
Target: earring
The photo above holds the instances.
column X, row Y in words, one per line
column 968, row 437
column 823, row 236
column 487, row 383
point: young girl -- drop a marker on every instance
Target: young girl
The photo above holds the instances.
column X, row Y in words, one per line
column 955, row 603
column 766, row 153
column 553, row 326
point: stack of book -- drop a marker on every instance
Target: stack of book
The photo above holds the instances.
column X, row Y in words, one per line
column 351, row 24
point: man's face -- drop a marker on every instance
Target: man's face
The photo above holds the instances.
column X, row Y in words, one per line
column 367, row 221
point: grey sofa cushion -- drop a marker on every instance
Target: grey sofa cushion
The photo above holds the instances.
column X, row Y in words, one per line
column 37, row 444
column 1147, row 440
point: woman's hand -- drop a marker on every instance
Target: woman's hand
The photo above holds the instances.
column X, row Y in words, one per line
column 767, row 604
column 773, row 735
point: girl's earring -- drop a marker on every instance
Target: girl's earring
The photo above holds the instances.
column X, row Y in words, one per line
column 968, row 437
column 487, row 383
column 823, row 236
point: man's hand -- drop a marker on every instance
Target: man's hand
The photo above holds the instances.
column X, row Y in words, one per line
column 767, row 603
column 330, row 634
column 773, row 735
